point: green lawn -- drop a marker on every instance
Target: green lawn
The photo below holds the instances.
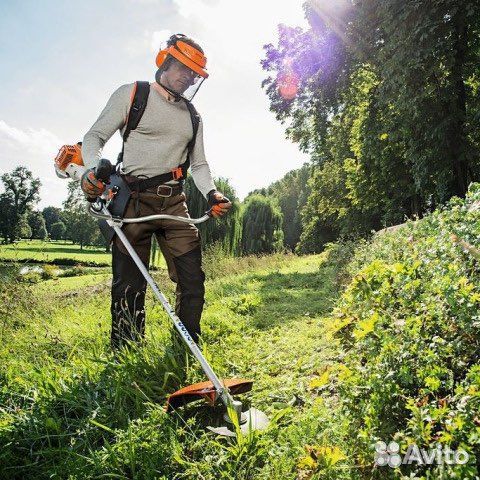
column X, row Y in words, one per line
column 39, row 251
column 60, row 253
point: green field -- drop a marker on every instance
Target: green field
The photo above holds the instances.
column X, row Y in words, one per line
column 59, row 253
column 53, row 252
column 366, row 341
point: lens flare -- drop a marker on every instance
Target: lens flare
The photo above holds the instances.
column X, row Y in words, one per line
column 287, row 85
column 288, row 81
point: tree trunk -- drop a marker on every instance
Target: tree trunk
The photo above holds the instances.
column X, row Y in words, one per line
column 415, row 205
column 458, row 142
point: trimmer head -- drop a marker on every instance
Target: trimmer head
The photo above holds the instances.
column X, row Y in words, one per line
column 252, row 419
column 206, row 391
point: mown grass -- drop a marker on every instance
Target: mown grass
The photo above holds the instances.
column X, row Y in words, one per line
column 59, row 252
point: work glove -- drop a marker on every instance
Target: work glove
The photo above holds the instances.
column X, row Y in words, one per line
column 92, row 187
column 218, row 203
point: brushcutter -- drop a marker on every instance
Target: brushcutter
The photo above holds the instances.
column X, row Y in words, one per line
column 213, row 390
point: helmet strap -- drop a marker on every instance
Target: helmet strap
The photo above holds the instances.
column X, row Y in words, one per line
column 158, row 76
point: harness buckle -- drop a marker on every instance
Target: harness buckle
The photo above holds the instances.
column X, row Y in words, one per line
column 164, row 186
column 177, row 173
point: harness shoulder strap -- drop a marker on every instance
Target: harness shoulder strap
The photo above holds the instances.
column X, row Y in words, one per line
column 195, row 117
column 137, row 108
column 140, row 97
column 139, row 103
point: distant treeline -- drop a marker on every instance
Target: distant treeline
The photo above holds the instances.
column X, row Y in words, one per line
column 254, row 226
column 20, row 220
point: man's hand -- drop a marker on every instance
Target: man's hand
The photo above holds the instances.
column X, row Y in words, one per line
column 92, row 187
column 219, row 204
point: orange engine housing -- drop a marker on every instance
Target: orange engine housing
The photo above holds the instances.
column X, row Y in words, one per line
column 69, row 154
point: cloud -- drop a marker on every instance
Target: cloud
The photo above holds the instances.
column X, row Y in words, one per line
column 242, row 138
column 36, row 150
column 159, row 39
column 30, row 140
column 187, row 8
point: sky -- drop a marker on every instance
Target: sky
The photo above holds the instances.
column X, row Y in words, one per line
column 61, row 60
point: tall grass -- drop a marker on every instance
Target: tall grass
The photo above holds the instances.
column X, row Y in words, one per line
column 367, row 341
column 70, row 409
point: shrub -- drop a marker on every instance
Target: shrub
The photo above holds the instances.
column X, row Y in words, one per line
column 409, row 322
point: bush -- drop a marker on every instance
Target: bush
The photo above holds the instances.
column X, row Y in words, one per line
column 77, row 270
column 409, row 322
column 49, row 272
column 57, row 231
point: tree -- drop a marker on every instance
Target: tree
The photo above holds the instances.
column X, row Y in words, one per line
column 318, row 63
column 58, row 231
column 431, row 80
column 51, row 215
column 6, row 218
column 37, row 225
column 81, row 227
column 262, row 226
column 21, row 193
column 22, row 228
column 291, row 193
column 386, row 103
column 225, row 231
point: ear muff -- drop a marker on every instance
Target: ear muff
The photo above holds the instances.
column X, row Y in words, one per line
column 161, row 57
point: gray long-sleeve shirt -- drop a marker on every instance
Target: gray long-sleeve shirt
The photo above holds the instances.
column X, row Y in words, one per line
column 157, row 145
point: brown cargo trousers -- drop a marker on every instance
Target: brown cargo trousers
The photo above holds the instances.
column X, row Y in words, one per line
column 180, row 246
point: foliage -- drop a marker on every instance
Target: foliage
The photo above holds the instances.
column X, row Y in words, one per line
column 37, row 225
column 22, row 228
column 429, row 83
column 386, row 103
column 262, row 226
column 225, row 231
column 408, row 322
column 291, row 193
column 21, row 193
column 81, row 227
column 58, row 231
column 51, row 215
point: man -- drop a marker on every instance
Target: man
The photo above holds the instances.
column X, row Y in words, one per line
column 162, row 142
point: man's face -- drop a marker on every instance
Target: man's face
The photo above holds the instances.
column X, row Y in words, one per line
column 178, row 77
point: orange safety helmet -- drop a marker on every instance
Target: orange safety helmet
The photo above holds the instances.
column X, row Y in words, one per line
column 186, row 54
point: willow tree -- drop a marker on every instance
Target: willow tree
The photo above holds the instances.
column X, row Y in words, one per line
column 262, row 226
column 224, row 231
column 291, row 193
